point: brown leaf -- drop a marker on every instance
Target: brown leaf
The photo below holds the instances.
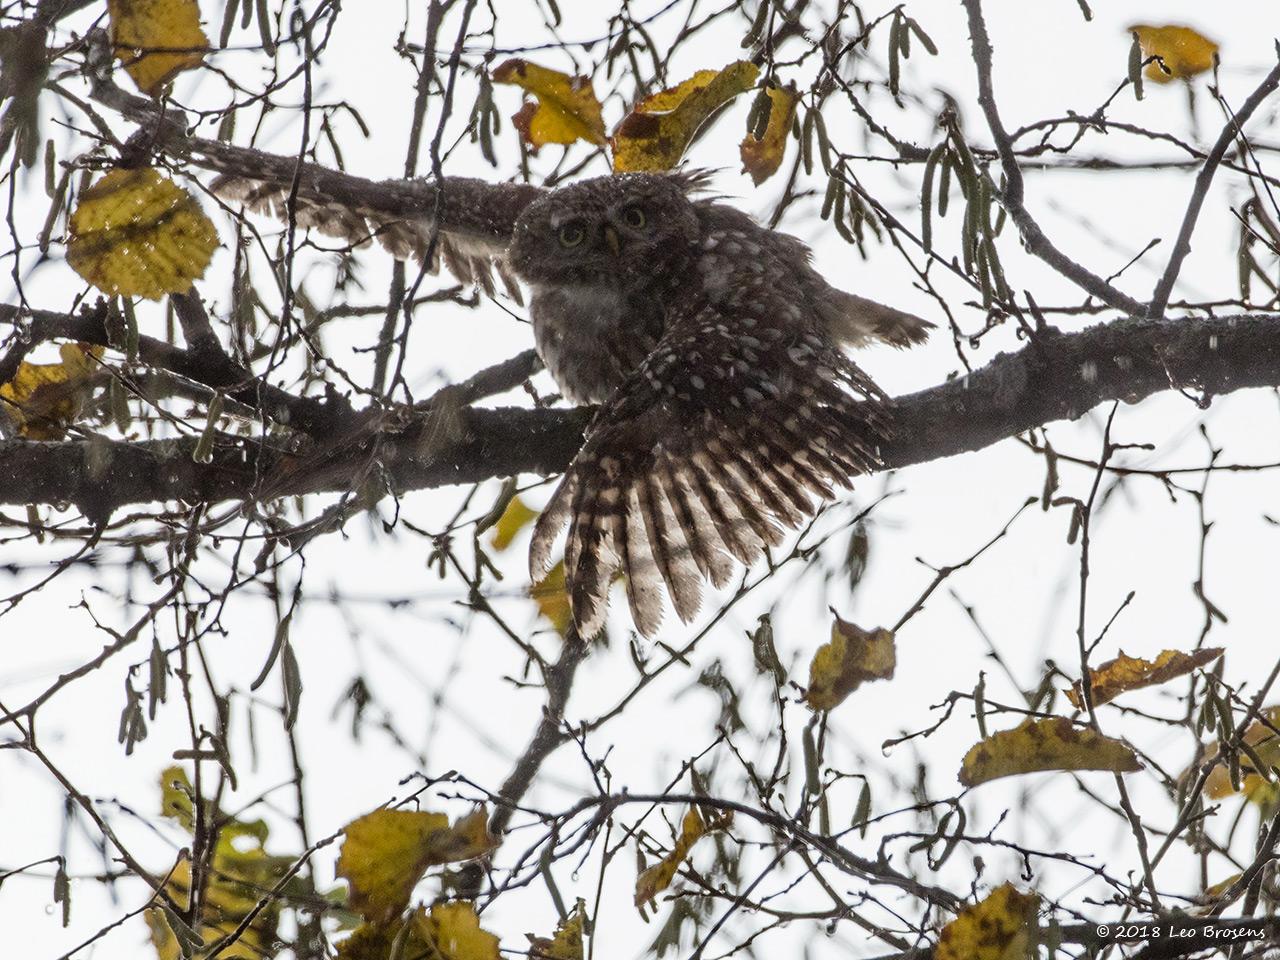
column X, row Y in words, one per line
column 761, row 158
column 1126, row 673
column 1049, row 743
column 43, row 399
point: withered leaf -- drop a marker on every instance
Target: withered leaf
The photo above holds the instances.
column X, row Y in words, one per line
column 998, row 928
column 849, row 659
column 1126, row 673
column 566, row 108
column 135, row 233
column 761, row 158
column 1047, row 743
column 655, row 134
column 44, row 399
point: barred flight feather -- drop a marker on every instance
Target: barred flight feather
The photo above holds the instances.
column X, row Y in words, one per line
column 677, row 484
column 472, row 257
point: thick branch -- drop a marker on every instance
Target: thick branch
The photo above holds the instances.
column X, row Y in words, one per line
column 1059, row 377
column 547, row 736
column 204, row 362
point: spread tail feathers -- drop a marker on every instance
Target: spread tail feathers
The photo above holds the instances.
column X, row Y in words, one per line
column 668, row 500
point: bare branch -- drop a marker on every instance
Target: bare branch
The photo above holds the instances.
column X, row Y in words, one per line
column 1012, row 197
column 1234, row 128
column 1060, row 377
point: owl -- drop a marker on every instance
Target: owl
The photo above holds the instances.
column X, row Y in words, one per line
column 727, row 405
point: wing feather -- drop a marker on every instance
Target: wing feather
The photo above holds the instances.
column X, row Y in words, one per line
column 554, row 518
column 671, row 552
column 592, row 557
column 476, row 217
column 710, row 557
column 719, row 442
column 644, row 584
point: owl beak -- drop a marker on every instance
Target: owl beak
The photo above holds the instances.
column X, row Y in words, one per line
column 613, row 240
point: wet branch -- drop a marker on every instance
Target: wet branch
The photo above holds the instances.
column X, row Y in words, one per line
column 447, row 441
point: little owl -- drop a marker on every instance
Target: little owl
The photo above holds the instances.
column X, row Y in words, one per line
column 713, row 347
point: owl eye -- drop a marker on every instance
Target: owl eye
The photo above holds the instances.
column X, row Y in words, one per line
column 634, row 217
column 571, row 234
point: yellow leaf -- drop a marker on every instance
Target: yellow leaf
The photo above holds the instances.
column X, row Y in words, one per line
column 383, row 857
column 171, row 26
column 553, row 599
column 240, row 871
column 658, row 877
column 515, row 518
column 43, row 399
column 998, row 928
column 228, row 898
column 1215, row 893
column 1050, row 743
column 386, row 852
column 136, row 233
column 761, row 158
column 567, row 942
column 375, row 941
column 566, row 110
column 1182, row 51
column 654, row 135
column 467, row 839
column 1126, row 673
column 1255, row 787
column 176, row 796
column 852, row 657
column 454, row 930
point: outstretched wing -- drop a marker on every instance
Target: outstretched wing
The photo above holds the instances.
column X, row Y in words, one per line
column 475, row 217
column 714, row 447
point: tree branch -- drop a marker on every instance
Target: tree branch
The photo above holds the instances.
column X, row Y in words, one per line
column 1012, row 196
column 1182, row 246
column 203, row 362
column 1059, row 377
column 546, row 737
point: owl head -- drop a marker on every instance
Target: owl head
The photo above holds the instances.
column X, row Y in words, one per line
column 619, row 230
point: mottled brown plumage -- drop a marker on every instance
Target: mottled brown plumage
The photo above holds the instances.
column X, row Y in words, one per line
column 728, row 405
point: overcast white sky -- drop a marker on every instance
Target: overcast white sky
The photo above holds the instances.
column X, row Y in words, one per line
column 1048, row 61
